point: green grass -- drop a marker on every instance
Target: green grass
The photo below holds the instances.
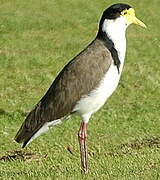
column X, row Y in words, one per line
column 36, row 39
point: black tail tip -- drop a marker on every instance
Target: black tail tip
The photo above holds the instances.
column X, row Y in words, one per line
column 24, row 145
column 20, row 141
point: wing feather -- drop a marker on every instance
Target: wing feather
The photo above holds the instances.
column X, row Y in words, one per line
column 80, row 76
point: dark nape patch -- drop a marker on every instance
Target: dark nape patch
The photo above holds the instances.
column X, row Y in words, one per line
column 21, row 155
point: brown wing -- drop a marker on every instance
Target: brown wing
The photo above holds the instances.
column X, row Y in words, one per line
column 80, row 76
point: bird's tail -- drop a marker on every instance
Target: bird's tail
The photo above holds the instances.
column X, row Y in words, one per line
column 29, row 127
column 21, row 134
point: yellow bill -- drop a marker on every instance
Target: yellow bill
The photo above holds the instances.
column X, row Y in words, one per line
column 138, row 22
column 129, row 14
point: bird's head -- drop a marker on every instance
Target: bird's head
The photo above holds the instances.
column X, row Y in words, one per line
column 119, row 16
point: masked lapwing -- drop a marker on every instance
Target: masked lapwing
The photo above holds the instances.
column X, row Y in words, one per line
column 86, row 82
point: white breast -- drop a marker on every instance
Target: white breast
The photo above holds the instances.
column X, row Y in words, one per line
column 90, row 103
column 93, row 101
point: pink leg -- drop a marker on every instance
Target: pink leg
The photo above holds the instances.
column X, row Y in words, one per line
column 82, row 136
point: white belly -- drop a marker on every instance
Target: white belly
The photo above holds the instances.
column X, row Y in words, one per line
column 96, row 99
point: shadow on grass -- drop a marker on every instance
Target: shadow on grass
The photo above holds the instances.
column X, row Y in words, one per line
column 21, row 155
column 136, row 145
column 4, row 112
column 123, row 150
column 142, row 143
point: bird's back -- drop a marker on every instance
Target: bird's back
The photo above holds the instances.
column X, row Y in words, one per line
column 77, row 79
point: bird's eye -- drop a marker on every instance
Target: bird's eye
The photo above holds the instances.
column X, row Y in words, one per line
column 124, row 13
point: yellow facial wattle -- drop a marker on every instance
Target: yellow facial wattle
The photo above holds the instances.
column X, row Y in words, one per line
column 129, row 14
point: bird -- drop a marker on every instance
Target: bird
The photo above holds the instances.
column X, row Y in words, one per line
column 86, row 82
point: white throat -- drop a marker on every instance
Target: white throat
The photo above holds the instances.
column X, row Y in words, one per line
column 87, row 105
column 115, row 30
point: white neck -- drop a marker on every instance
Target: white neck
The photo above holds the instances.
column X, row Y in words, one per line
column 115, row 30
